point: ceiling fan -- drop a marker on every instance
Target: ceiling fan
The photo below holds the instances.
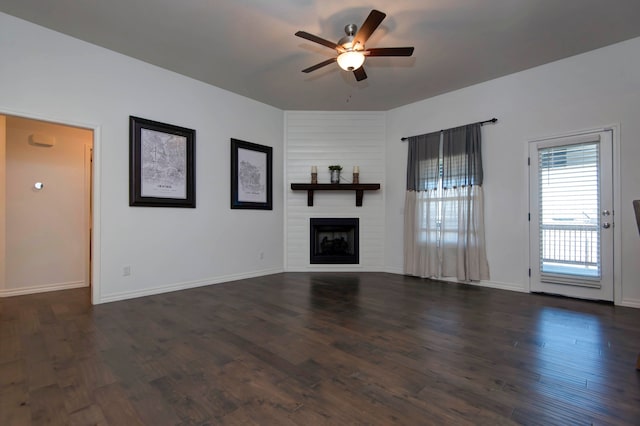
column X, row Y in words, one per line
column 350, row 48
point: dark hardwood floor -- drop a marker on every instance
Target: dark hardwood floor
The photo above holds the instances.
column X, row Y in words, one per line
column 321, row 348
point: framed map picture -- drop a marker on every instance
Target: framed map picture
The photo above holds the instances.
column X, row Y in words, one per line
column 251, row 176
column 161, row 164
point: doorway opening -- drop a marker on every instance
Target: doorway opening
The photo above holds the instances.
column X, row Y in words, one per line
column 48, row 205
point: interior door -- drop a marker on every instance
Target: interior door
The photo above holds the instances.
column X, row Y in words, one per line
column 571, row 215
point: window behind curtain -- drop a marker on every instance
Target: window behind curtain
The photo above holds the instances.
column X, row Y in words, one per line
column 451, row 161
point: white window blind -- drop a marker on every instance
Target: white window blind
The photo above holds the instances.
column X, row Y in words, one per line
column 569, row 210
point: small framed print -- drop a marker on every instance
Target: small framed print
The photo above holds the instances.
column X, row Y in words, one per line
column 161, row 164
column 251, row 176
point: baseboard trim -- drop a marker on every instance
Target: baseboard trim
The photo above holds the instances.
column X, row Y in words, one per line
column 320, row 267
column 41, row 288
column 630, row 303
column 390, row 270
column 488, row 284
column 185, row 285
column 500, row 286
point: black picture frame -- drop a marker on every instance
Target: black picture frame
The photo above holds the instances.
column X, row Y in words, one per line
column 161, row 164
column 251, row 176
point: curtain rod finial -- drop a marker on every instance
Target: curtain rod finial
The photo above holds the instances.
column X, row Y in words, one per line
column 493, row 120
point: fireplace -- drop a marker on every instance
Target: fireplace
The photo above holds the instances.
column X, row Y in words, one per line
column 334, row 240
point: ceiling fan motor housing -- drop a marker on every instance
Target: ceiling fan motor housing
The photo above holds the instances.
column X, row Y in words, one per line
column 347, row 41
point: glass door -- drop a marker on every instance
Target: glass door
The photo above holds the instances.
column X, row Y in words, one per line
column 571, row 218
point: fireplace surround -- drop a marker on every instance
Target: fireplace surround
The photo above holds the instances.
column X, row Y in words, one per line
column 334, row 240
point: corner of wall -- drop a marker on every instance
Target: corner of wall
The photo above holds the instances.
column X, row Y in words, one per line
column 3, row 174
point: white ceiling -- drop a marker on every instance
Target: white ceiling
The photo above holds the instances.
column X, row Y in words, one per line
column 248, row 46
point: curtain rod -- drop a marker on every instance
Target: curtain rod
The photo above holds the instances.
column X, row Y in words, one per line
column 493, row 120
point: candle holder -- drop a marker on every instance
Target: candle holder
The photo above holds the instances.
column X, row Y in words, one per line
column 314, row 178
column 356, row 177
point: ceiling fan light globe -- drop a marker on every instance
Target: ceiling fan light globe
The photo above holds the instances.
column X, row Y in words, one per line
column 350, row 60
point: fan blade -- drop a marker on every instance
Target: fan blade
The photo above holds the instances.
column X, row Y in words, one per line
column 368, row 27
column 360, row 74
column 320, row 65
column 316, row 39
column 390, row 51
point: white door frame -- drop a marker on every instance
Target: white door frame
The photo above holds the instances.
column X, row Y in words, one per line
column 95, row 189
column 617, row 205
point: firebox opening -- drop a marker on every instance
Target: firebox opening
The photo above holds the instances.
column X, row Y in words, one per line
column 334, row 240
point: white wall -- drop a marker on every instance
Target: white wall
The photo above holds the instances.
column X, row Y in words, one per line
column 45, row 74
column 322, row 139
column 592, row 90
column 47, row 229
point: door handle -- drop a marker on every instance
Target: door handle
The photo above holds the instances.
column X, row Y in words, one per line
column 606, row 225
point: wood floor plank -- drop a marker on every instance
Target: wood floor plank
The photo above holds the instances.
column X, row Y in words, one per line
column 149, row 404
column 189, row 408
column 12, row 373
column 332, row 402
column 114, row 403
column 15, row 408
column 319, row 349
column 91, row 415
column 47, row 406
column 11, row 341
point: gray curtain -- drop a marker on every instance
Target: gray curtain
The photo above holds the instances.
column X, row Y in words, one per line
column 444, row 218
column 423, row 171
column 462, row 156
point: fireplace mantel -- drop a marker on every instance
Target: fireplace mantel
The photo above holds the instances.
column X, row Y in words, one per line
column 359, row 188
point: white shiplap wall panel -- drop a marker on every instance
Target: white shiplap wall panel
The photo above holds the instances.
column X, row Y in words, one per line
column 318, row 138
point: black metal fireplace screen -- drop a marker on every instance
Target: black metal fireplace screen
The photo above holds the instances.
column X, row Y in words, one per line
column 334, row 240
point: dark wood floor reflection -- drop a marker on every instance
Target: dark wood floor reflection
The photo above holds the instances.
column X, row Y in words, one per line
column 309, row 349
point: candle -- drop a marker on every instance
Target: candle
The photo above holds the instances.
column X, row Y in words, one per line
column 314, row 169
column 356, row 169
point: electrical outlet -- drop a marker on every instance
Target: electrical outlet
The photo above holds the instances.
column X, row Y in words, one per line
column 126, row 271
